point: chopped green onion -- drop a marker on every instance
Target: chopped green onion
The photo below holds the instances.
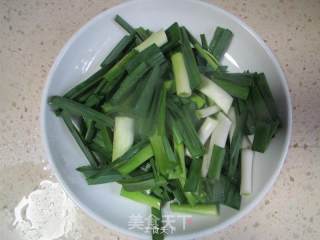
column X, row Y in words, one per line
column 216, row 93
column 124, row 24
column 204, row 42
column 67, row 120
column 203, row 209
column 142, row 156
column 246, row 171
column 130, row 82
column 190, row 61
column 216, row 164
column 220, row 42
column 181, row 75
column 79, row 109
column 118, row 51
column 206, row 129
column 142, row 197
column 208, row 111
column 158, row 38
column 221, row 131
column 123, row 136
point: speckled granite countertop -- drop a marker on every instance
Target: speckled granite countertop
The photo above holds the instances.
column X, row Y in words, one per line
column 31, row 35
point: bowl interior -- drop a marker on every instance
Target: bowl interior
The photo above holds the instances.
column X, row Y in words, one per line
column 81, row 57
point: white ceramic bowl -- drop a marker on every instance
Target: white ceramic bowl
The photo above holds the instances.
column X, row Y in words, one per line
column 81, row 56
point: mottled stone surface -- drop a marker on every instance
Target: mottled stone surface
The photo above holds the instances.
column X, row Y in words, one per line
column 31, row 35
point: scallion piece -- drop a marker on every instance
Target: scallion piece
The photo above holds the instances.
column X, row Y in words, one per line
column 246, row 172
column 216, row 94
column 180, row 75
column 202, row 209
column 208, row 111
column 142, row 197
column 220, row 42
column 123, row 136
column 138, row 159
column 158, row 38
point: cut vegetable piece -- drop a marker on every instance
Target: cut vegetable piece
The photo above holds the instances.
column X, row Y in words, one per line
column 145, row 99
column 123, row 136
column 179, row 151
column 181, row 75
column 180, row 118
column 216, row 93
column 126, row 157
column 262, row 137
column 67, row 120
column 265, row 91
column 198, row 100
column 174, row 38
column 220, row 42
column 233, row 119
column 138, row 159
column 208, row 111
column 220, row 133
column 107, row 176
column 142, row 33
column 79, row 109
column 194, row 176
column 216, row 164
column 190, row 61
column 241, row 79
column 206, row 129
column 142, row 197
column 246, row 172
column 142, row 185
column 218, row 138
column 207, row 157
column 118, row 51
column 151, row 56
column 236, row 141
column 84, row 86
column 129, row 82
column 124, row 24
column 233, row 89
column 189, row 35
column 165, row 160
column 156, row 224
column 114, row 74
column 203, row 209
column 210, row 59
column 204, row 42
column 159, row 38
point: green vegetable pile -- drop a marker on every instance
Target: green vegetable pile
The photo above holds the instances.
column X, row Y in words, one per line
column 167, row 121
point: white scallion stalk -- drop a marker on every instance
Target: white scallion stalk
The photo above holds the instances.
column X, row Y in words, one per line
column 206, row 129
column 180, row 75
column 219, row 138
column 232, row 117
column 123, row 136
column 251, row 137
column 246, row 172
column 246, row 144
column 216, row 93
column 158, row 38
column 208, row 111
column 221, row 131
column 207, row 157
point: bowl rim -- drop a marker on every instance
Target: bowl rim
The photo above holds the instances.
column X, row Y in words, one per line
column 200, row 233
